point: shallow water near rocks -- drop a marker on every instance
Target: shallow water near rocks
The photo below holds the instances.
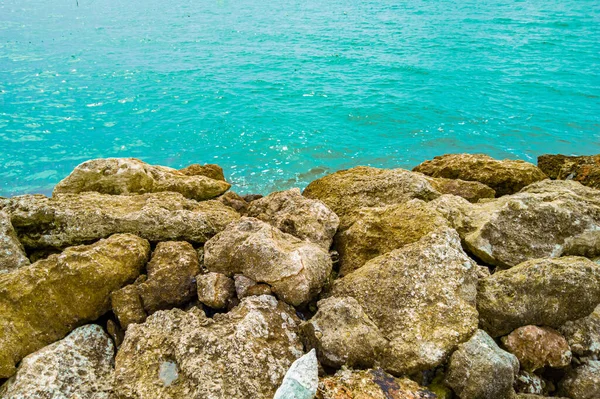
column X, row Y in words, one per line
column 281, row 93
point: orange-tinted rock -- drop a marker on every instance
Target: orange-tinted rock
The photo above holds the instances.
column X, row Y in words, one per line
column 538, row 347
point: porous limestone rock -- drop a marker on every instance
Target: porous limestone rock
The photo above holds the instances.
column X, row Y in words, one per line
column 301, row 380
column 421, row 297
column 505, row 177
column 289, row 211
column 72, row 219
column 296, row 270
column 242, row 354
column 584, row 169
column 376, row 231
column 235, row 201
column 370, row 384
column 543, row 220
column 479, row 369
column 546, row 292
column 12, row 254
column 582, row 382
column 43, row 302
column 472, row 191
column 125, row 176
column 583, row 335
column 171, row 276
column 215, row 289
column 209, row 170
column 360, row 187
column 343, row 334
column 127, row 305
column 538, row 347
column 245, row 286
column 78, row 366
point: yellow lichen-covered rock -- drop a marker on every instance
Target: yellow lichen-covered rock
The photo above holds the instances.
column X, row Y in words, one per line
column 43, row 302
column 583, row 334
column 12, row 254
column 209, row 170
column 584, row 169
column 370, row 384
column 376, row 231
column 546, row 292
column 360, row 187
column 290, row 212
column 242, row 354
column 421, row 297
column 125, row 176
column 505, row 177
column 296, row 270
column 472, row 191
column 582, row 382
column 72, row 219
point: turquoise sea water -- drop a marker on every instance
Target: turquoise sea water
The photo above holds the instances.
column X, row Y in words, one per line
column 282, row 92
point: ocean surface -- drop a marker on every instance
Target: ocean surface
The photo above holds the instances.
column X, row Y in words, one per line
column 281, row 92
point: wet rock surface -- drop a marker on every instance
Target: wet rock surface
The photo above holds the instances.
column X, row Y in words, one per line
column 12, row 253
column 78, row 366
column 372, row 384
column 72, row 219
column 241, row 354
column 504, row 176
column 479, row 369
column 43, row 302
column 422, row 309
column 547, row 292
column 124, row 176
column 296, row 270
column 309, row 220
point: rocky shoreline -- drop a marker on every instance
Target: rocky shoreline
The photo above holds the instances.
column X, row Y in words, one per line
column 467, row 277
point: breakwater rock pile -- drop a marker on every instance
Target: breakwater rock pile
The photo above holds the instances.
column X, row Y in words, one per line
column 468, row 277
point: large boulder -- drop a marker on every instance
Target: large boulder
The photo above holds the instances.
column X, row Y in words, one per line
column 546, row 292
column 472, row 191
column 347, row 190
column 43, row 302
column 292, row 213
column 582, row 382
column 479, row 369
column 505, row 177
column 124, row 176
column 343, row 334
column 72, row 219
column 295, row 269
column 376, row 231
column 538, row 347
column 421, row 297
column 584, row 169
column 583, row 334
column 546, row 219
column 241, row 354
column 12, row 254
column 78, row 366
column 370, row 384
column 171, row 276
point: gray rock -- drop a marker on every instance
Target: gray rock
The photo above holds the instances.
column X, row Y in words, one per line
column 296, row 270
column 78, row 366
column 301, row 380
column 72, row 219
column 309, row 220
column 530, row 383
column 124, row 176
column 582, row 382
column 12, row 254
column 546, row 292
column 422, row 309
column 479, row 369
column 583, row 335
column 343, row 334
column 242, row 354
